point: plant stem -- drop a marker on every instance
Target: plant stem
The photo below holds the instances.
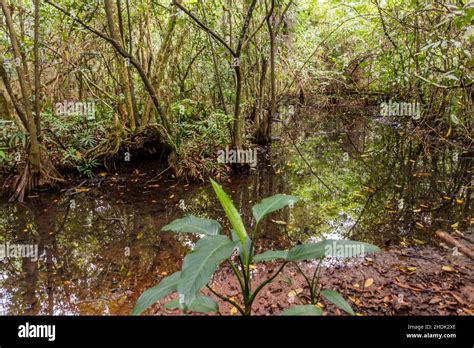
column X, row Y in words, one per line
column 237, row 274
column 310, row 284
column 246, row 281
column 262, row 285
column 226, row 299
column 317, row 278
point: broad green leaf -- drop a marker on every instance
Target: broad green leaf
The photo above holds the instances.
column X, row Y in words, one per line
column 200, row 264
column 194, row 224
column 271, row 255
column 271, row 204
column 308, row 309
column 201, row 304
column 337, row 299
column 330, row 247
column 151, row 296
column 231, row 212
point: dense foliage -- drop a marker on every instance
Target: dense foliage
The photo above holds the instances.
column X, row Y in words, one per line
column 84, row 82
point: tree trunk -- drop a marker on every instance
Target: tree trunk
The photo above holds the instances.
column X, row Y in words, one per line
column 114, row 31
column 37, row 69
column 34, row 150
column 38, row 166
column 237, row 130
column 267, row 127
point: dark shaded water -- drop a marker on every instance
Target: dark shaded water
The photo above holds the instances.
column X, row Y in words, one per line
column 101, row 247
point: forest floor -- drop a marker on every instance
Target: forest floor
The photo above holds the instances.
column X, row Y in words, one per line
column 398, row 281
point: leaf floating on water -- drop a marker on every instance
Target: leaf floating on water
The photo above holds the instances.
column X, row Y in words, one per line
column 279, row 222
column 418, row 242
column 368, row 282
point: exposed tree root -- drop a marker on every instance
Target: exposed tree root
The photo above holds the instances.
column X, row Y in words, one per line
column 188, row 162
column 29, row 180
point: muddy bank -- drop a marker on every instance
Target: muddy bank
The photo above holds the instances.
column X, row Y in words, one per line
column 398, row 281
column 101, row 243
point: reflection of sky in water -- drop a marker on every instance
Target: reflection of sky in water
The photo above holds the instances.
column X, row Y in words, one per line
column 86, row 269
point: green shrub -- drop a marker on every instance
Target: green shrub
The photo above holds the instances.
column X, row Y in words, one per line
column 215, row 248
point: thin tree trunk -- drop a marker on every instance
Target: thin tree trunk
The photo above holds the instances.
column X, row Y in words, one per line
column 37, row 69
column 268, row 119
column 237, row 136
column 114, row 31
column 34, row 150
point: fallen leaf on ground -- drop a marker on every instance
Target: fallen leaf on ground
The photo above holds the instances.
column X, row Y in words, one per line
column 448, row 269
column 435, row 299
column 368, row 282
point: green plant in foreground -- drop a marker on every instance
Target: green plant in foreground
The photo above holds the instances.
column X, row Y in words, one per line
column 214, row 248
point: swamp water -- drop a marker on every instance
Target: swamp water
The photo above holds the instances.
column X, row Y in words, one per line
column 361, row 178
